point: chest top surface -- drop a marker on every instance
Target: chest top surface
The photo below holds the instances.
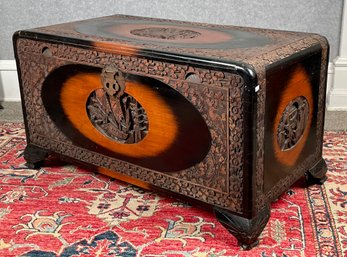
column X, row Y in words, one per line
column 134, row 34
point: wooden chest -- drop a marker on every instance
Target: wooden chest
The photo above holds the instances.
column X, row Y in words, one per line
column 228, row 116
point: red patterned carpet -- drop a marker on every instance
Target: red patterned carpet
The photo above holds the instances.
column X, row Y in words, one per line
column 69, row 211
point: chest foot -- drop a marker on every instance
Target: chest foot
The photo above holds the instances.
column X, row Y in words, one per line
column 245, row 230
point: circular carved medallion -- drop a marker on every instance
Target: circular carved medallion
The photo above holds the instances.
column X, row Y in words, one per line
column 165, row 33
column 115, row 113
column 121, row 119
column 293, row 123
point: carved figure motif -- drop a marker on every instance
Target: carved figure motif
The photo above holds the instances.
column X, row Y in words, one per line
column 115, row 113
column 293, row 123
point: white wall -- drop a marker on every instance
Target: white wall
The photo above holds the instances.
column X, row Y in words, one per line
column 337, row 95
column 317, row 16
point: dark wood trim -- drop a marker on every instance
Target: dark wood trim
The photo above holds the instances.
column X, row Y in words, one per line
column 245, row 230
column 317, row 174
column 34, row 156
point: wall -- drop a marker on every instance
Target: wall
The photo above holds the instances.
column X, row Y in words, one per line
column 337, row 92
column 310, row 15
column 322, row 16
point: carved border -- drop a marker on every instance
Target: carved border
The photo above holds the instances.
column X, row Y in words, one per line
column 226, row 189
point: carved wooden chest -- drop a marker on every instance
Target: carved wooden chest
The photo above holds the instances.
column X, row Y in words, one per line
column 228, row 116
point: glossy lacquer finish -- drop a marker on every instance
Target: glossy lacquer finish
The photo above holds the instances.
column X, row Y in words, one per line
column 229, row 117
column 178, row 136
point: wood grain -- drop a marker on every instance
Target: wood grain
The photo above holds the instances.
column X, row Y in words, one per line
column 163, row 126
column 125, row 178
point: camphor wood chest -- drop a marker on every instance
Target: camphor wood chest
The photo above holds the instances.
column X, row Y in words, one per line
column 228, row 116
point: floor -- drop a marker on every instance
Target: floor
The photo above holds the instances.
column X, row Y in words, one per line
column 334, row 120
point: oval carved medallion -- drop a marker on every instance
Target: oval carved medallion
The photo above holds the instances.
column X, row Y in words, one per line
column 165, row 33
column 293, row 123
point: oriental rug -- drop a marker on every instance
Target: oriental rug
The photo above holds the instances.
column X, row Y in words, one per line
column 65, row 210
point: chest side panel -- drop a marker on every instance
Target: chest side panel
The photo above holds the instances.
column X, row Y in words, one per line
column 292, row 128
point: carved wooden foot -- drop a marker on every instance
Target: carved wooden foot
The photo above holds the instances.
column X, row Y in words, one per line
column 245, row 230
column 317, row 174
column 34, row 156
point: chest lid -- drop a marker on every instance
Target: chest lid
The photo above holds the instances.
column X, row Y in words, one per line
column 143, row 36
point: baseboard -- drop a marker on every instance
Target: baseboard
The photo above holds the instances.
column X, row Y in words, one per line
column 337, row 94
column 330, row 77
column 337, row 100
column 9, row 87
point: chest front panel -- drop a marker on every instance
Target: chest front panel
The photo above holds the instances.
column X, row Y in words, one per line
column 175, row 126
